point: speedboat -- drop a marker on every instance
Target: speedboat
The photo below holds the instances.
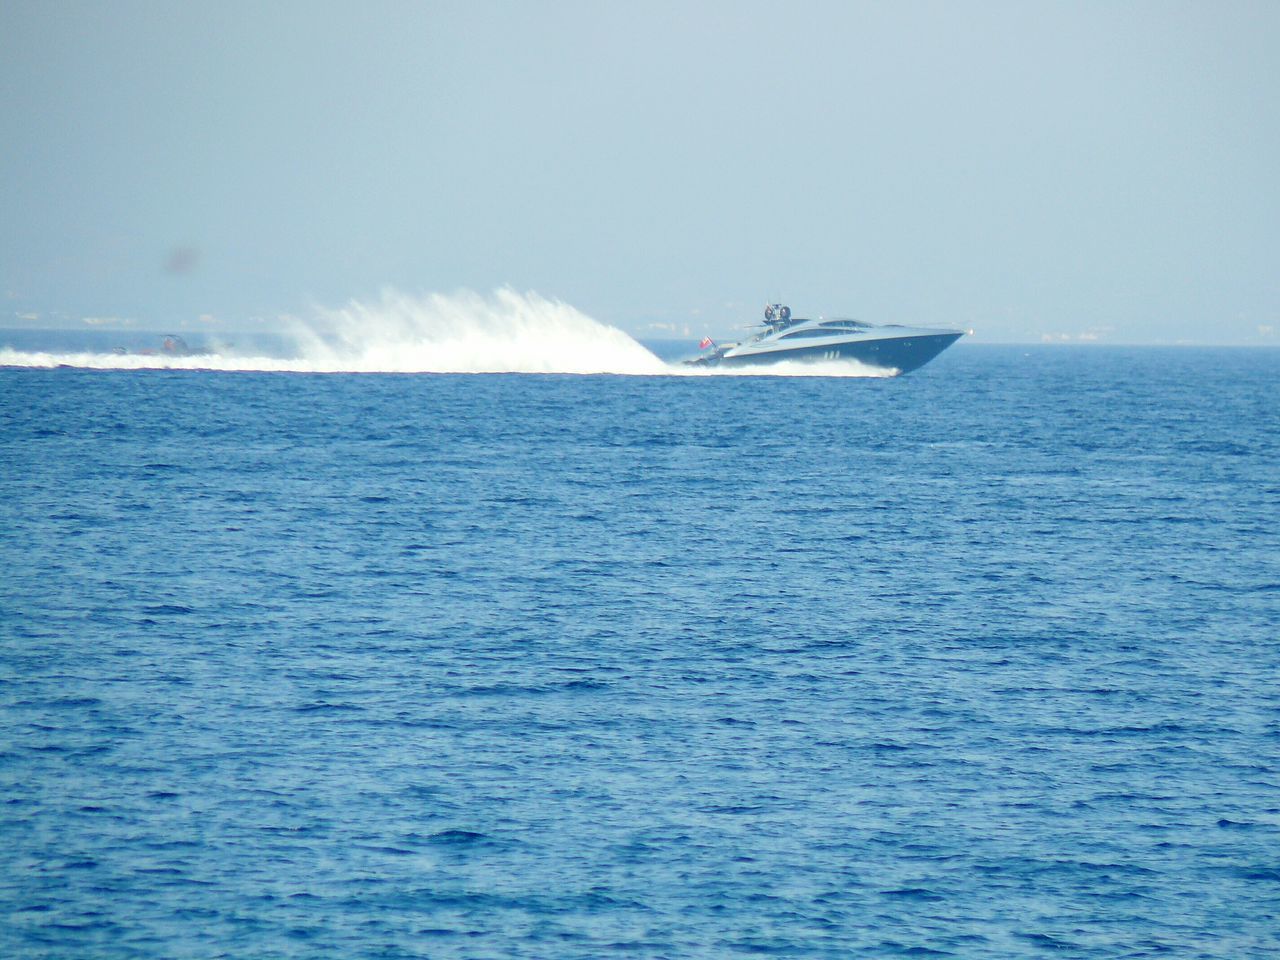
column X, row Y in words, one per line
column 783, row 337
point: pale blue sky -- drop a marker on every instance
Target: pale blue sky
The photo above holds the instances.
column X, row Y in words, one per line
column 1026, row 169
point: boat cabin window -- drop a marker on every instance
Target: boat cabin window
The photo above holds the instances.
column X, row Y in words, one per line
column 798, row 334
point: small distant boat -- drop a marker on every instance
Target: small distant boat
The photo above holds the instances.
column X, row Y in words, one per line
column 171, row 346
column 783, row 337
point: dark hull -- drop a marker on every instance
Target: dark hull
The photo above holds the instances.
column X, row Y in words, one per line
column 903, row 354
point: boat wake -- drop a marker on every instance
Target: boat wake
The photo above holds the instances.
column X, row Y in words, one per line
column 794, row 368
column 506, row 332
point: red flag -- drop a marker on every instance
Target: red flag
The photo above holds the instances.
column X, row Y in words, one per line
column 706, row 342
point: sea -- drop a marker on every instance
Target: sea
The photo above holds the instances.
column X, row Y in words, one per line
column 359, row 653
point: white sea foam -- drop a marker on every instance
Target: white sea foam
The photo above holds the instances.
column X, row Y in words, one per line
column 795, row 368
column 131, row 361
column 506, row 332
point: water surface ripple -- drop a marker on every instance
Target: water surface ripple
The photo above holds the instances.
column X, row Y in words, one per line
column 979, row 662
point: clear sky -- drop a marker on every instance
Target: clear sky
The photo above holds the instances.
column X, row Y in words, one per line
column 1028, row 169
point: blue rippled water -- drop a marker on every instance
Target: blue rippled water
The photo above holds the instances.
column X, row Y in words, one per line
column 978, row 662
